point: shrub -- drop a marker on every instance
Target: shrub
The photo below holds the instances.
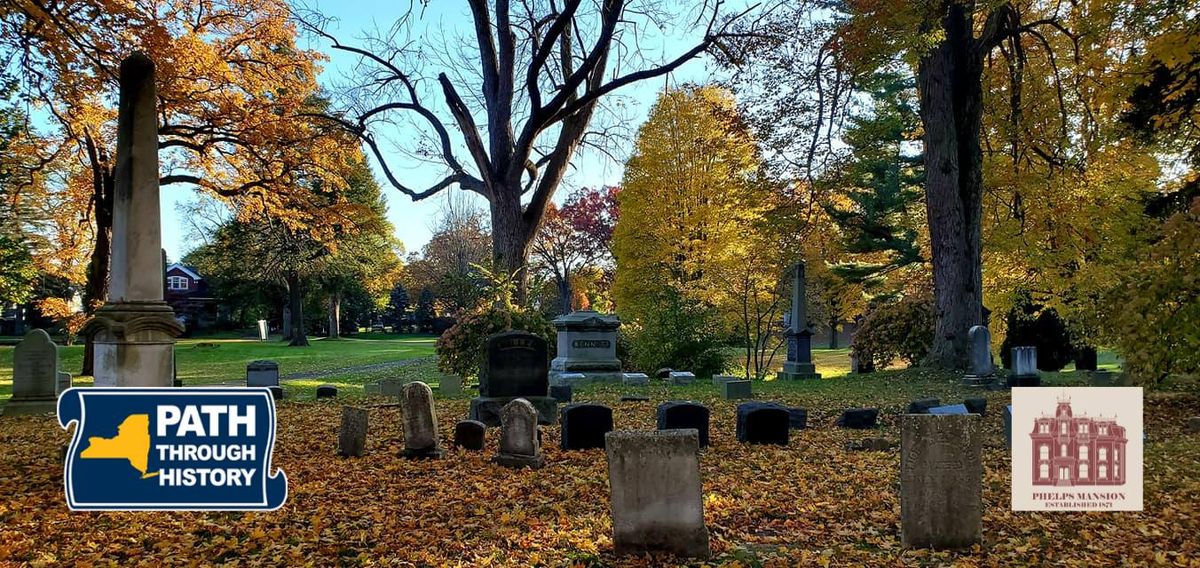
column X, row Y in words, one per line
column 899, row 329
column 680, row 333
column 462, row 350
column 1031, row 324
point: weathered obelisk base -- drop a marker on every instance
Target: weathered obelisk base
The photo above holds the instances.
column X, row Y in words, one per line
column 799, row 363
column 134, row 332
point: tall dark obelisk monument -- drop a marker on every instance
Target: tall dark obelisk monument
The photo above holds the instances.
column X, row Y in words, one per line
column 799, row 363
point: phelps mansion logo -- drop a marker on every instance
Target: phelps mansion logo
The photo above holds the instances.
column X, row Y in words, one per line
column 1077, row 449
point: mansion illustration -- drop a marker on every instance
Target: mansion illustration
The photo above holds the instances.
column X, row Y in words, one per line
column 1077, row 450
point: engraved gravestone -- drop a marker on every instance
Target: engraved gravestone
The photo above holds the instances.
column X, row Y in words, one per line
column 64, row 382
column 262, row 374
column 519, row 443
column 587, row 348
column 35, row 375
column 516, row 366
column 420, row 422
column 941, row 476
column 352, row 436
column 1024, row 368
column 982, row 371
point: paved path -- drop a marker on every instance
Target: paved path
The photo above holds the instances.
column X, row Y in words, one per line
column 357, row 369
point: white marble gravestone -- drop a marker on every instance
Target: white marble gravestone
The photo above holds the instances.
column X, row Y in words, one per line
column 35, row 375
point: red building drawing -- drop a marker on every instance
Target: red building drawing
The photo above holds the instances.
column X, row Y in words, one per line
column 1077, row 450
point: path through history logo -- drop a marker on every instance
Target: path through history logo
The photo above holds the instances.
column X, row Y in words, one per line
column 139, row 449
column 1077, row 449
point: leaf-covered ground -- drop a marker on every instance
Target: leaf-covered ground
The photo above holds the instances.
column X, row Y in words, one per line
column 809, row 503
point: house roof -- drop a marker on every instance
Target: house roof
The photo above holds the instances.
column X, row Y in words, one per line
column 189, row 271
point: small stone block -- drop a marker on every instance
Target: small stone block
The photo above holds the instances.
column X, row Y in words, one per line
column 584, row 426
column 450, row 385
column 735, row 390
column 763, row 423
column 682, row 377
column 561, row 393
column 657, row 501
column 953, row 409
column 858, row 418
column 276, row 392
column 352, row 435
column 326, row 391
column 683, row 415
column 469, row 435
column 797, row 418
column 718, row 380
column 635, row 379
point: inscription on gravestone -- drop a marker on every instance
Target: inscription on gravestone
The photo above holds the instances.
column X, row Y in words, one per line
column 352, row 436
column 35, row 374
column 941, row 476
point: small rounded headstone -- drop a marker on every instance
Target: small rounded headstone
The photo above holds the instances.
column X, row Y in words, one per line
column 326, row 391
column 469, row 435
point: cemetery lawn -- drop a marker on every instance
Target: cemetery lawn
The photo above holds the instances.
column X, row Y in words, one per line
column 810, row 503
column 211, row 360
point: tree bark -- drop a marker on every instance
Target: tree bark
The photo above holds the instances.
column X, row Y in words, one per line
column 949, row 80
column 833, row 339
column 335, row 312
column 296, row 301
column 95, row 291
column 511, row 239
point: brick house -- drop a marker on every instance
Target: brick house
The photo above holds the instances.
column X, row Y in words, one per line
column 1077, row 450
column 187, row 293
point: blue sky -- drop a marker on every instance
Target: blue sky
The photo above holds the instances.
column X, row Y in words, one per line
column 449, row 19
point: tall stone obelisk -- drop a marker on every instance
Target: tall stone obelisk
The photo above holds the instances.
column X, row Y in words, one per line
column 134, row 332
column 799, row 363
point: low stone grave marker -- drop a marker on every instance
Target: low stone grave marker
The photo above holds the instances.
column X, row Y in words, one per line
column 470, row 434
column 922, row 405
column 276, row 392
column 561, row 393
column 763, row 423
column 326, row 391
column 941, row 478
column 664, row 373
column 1193, row 425
column 718, row 380
column 63, row 383
column 420, row 422
column 352, row 435
column 657, row 501
column 976, row 406
column 1100, row 378
column 869, row 445
column 682, row 377
column 567, row 379
column 372, row 389
column 858, row 418
column 635, row 379
column 1024, row 368
column 957, row 409
column 35, row 375
column 634, row 398
column 584, row 425
column 520, row 444
column 797, row 418
column 450, row 384
column 736, row 390
column 262, row 374
column 683, row 415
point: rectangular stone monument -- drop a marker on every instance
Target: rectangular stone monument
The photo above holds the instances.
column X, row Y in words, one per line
column 133, row 333
column 567, row 379
column 657, row 500
column 587, row 348
column 35, row 375
column 1024, row 368
column 516, row 366
column 262, row 374
column 450, row 384
column 735, row 390
column 421, row 438
column 352, row 436
column 635, row 379
column 941, row 477
column 718, row 380
column 981, row 372
column 799, row 363
column 682, row 377
column 64, row 382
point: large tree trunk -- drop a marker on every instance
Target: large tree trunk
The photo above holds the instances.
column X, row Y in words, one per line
column 296, row 300
column 95, row 290
column 564, row 295
column 335, row 314
column 949, row 81
column 510, row 241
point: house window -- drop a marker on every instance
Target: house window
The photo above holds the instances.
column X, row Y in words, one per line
column 1103, row 471
column 1103, row 454
column 1044, row 451
column 1062, row 428
column 1044, row 471
column 1083, row 471
column 1063, row 451
column 1083, row 428
column 177, row 283
column 1083, row 452
column 1045, row 428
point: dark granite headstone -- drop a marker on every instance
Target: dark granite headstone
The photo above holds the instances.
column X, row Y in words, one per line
column 797, row 418
column 326, row 391
column 922, row 405
column 683, row 414
column 762, row 423
column 561, row 393
column 584, row 425
column 469, row 434
column 976, row 406
column 517, row 365
column 734, row 390
column 276, row 392
column 858, row 418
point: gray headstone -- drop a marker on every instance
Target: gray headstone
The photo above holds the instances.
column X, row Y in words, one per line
column 393, row 387
column 519, row 444
column 587, row 348
column 1024, row 361
column 950, row 409
column 635, row 379
column 35, row 375
column 941, row 477
column 262, row 374
column 682, row 377
column 372, row 389
column 719, row 380
column 1193, row 425
column 450, row 384
column 420, row 422
column 980, row 351
column 735, row 390
column 64, row 382
column 352, row 436
column 657, row 500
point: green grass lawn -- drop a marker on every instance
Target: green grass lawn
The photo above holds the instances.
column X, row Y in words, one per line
column 214, row 360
